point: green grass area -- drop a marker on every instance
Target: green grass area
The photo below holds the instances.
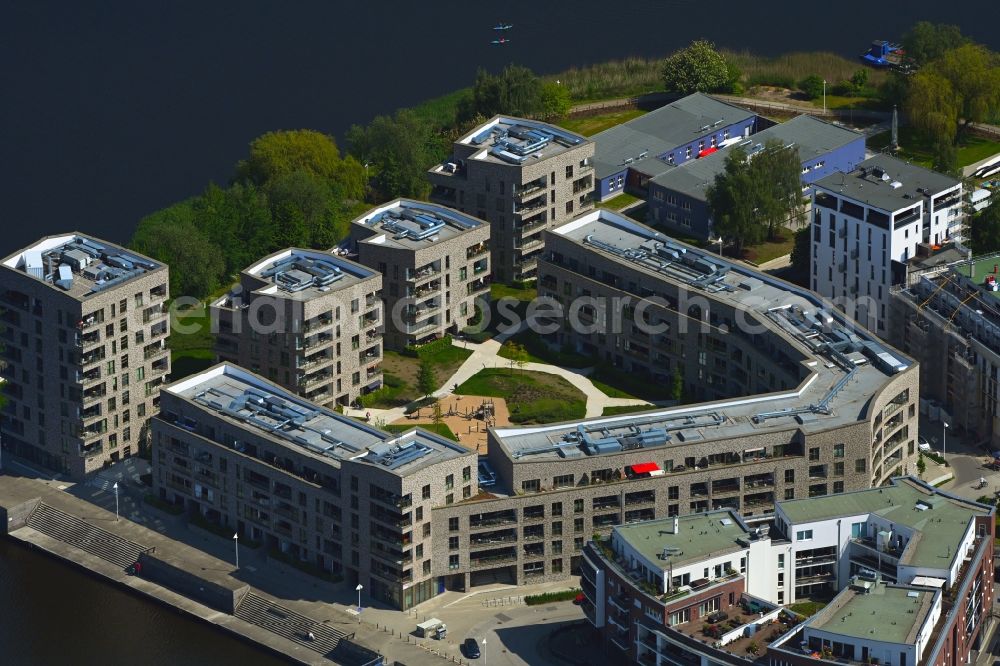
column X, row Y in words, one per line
column 520, row 292
column 532, row 397
column 914, row 147
column 588, row 125
column 626, row 409
column 807, row 608
column 191, row 342
column 400, row 372
column 846, row 103
column 616, row 383
column 540, row 352
column 771, row 249
column 619, row 202
column 787, row 69
column 441, row 429
column 980, row 270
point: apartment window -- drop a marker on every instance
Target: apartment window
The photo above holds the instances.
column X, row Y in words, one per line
column 673, row 492
column 557, row 528
column 578, row 506
column 557, row 508
column 838, row 469
column 466, row 492
column 426, row 492
column 427, row 529
column 562, row 481
column 838, row 486
column 449, row 498
column 578, row 544
column 419, row 514
column 814, row 453
column 838, row 450
column 557, row 564
column 804, row 535
column 789, row 476
column 673, row 510
column 453, row 562
column 569, row 205
column 789, row 493
column 781, row 560
column 427, row 567
column 419, row 551
column 531, row 485
column 860, row 465
column 578, row 525
column 453, row 524
column 557, row 547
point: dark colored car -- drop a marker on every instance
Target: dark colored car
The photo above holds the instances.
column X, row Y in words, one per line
column 471, row 648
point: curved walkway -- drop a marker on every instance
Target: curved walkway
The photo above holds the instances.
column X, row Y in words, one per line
column 485, row 355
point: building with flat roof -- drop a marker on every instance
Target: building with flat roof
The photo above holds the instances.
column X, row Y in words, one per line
column 715, row 586
column 326, row 490
column 522, row 176
column 794, row 404
column 948, row 316
column 310, row 321
column 869, row 224
column 84, row 337
column 434, row 262
column 677, row 198
column 628, row 156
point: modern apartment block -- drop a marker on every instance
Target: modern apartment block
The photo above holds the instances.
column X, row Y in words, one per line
column 434, row 263
column 315, row 486
column 909, row 570
column 798, row 405
column 870, row 223
column 629, row 155
column 949, row 319
column 309, row 321
column 521, row 176
column 677, row 198
column 84, row 336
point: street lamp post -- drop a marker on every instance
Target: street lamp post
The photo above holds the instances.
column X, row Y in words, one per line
column 236, row 541
column 116, row 500
column 359, row 588
column 944, row 440
column 717, row 240
column 484, row 652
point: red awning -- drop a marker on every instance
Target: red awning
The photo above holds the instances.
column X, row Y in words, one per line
column 645, row 468
column 707, row 151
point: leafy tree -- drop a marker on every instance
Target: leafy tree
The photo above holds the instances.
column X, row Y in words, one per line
column 984, row 227
column 802, row 256
column 945, row 156
column 437, row 413
column 518, row 355
column 921, row 464
column 677, row 385
column 171, row 236
column 959, row 88
column 812, row 86
column 554, row 101
column 426, row 382
column 278, row 154
column 859, row 80
column 400, row 148
column 929, row 41
column 697, row 68
column 515, row 91
column 754, row 196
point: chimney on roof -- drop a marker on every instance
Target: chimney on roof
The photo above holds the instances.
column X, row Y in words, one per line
column 677, row 525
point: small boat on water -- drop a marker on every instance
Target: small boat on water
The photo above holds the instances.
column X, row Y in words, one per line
column 502, row 40
column 884, row 54
column 502, row 26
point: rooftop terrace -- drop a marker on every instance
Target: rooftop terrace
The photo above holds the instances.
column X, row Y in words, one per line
column 80, row 265
column 409, row 224
column 699, row 536
column 638, row 143
column 887, row 183
column 306, row 274
column 812, row 137
column 887, row 613
column 840, row 366
column 256, row 404
column 939, row 520
column 978, row 269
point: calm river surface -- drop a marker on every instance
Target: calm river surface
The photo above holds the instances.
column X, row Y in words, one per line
column 111, row 110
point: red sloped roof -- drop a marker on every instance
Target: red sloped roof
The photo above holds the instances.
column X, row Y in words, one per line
column 643, row 468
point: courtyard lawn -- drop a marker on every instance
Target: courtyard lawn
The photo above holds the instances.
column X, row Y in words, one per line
column 540, row 352
column 532, row 397
column 588, row 125
column 626, row 409
column 616, row 383
column 400, row 372
column 807, row 608
column 619, row 202
column 771, row 249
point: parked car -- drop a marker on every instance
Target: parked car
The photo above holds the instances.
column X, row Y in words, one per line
column 923, row 445
column 471, row 648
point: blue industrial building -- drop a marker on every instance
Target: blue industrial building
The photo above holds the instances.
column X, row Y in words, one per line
column 628, row 156
column 677, row 199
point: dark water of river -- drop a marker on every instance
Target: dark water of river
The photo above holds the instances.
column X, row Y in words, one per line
column 51, row 613
column 111, row 110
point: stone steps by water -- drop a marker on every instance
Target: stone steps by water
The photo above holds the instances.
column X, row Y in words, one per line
column 89, row 538
column 277, row 619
